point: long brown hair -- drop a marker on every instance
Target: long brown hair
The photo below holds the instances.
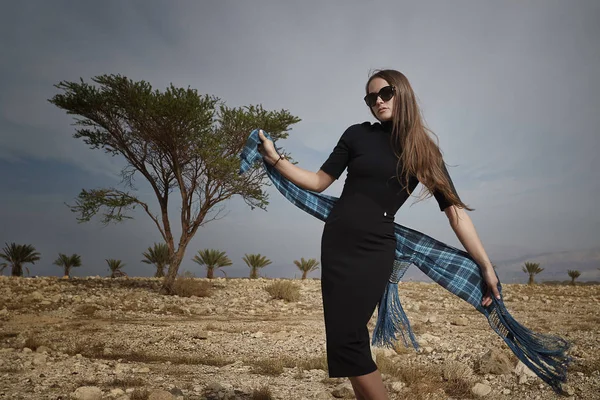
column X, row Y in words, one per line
column 418, row 155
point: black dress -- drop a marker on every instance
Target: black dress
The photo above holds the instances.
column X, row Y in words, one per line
column 358, row 243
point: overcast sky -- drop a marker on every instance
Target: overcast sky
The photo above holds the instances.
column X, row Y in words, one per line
column 510, row 88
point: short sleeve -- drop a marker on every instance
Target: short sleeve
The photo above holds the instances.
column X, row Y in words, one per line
column 443, row 202
column 339, row 157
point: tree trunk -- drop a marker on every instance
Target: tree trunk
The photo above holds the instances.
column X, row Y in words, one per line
column 530, row 279
column 67, row 272
column 167, row 287
column 210, row 272
column 253, row 273
column 304, row 274
column 17, row 270
column 573, row 281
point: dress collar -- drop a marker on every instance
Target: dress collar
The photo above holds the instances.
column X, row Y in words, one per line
column 387, row 126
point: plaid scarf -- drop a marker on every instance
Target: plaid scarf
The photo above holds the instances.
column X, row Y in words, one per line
column 452, row 268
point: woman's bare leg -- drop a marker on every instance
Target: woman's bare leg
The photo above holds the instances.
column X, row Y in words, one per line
column 369, row 386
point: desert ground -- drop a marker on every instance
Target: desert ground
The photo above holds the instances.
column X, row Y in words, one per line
column 102, row 338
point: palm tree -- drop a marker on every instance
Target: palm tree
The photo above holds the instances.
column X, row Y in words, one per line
column 67, row 262
column 573, row 274
column 532, row 269
column 16, row 255
column 307, row 266
column 115, row 267
column 212, row 259
column 159, row 256
column 255, row 261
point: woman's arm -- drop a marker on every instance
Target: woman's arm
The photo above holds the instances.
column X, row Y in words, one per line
column 465, row 232
column 467, row 235
column 314, row 181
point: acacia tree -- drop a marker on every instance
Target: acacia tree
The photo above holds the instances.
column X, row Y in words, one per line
column 573, row 274
column 177, row 140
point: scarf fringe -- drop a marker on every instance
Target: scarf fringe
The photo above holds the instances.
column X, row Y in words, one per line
column 391, row 319
column 543, row 354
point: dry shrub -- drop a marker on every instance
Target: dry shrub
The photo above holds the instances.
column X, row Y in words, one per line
column 420, row 380
column 400, row 348
column 33, row 342
column 319, row 362
column 262, row 393
column 459, row 389
column 273, row 367
column 453, row 370
column 139, row 394
column 138, row 356
column 186, row 286
column 284, row 290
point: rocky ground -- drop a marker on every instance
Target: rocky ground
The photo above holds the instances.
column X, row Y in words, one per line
column 100, row 338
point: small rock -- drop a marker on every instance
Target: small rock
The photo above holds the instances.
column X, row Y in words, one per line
column 481, row 389
column 343, row 391
column 459, row 321
column 397, row 386
column 143, row 370
column 258, row 334
column 522, row 369
column 568, row 389
column 117, row 392
column 323, row 395
column 214, row 387
column 201, row 335
column 39, row 359
column 36, row 296
column 160, row 395
column 42, row 349
column 493, row 362
column 87, row 393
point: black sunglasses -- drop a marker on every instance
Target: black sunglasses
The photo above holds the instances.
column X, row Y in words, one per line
column 385, row 93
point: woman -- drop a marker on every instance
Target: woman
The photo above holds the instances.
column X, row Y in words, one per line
column 385, row 161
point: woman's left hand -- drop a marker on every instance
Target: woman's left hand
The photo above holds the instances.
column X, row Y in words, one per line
column 491, row 280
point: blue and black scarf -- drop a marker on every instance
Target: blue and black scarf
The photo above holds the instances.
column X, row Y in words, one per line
column 452, row 268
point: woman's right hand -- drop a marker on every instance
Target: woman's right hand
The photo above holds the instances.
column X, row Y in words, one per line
column 267, row 149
